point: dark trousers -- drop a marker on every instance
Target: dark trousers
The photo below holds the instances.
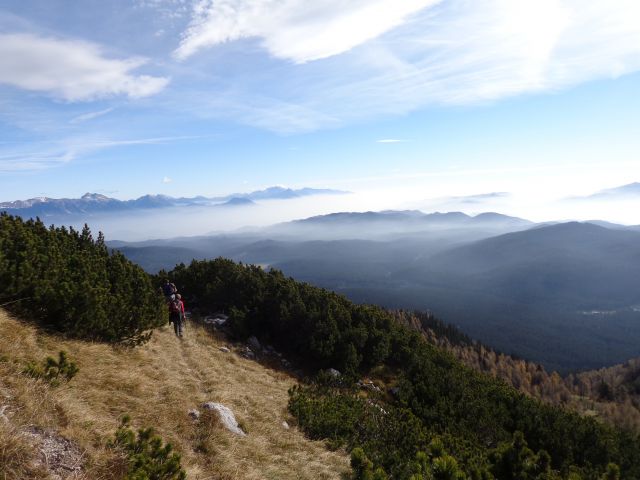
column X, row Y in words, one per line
column 178, row 323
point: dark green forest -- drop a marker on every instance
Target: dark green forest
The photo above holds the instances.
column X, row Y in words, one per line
column 69, row 282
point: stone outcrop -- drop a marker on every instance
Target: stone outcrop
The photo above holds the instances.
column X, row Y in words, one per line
column 227, row 417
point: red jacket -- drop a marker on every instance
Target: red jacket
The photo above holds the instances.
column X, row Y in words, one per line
column 176, row 306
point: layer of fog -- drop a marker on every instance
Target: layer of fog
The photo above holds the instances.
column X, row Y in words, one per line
column 209, row 220
column 192, row 221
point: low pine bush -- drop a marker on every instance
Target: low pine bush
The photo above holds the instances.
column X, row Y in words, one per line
column 148, row 458
column 69, row 282
column 53, row 371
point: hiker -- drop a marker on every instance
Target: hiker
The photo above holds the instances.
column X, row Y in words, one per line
column 169, row 290
column 176, row 314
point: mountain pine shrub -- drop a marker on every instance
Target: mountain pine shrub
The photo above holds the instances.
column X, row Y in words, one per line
column 68, row 282
column 362, row 467
column 612, row 473
column 148, row 458
column 53, row 370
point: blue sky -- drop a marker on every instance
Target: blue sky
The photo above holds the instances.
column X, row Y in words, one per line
column 406, row 103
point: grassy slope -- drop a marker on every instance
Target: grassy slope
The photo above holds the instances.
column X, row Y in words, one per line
column 157, row 384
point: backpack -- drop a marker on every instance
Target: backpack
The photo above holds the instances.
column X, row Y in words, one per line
column 174, row 306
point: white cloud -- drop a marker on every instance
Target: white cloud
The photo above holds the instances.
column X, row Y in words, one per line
column 90, row 115
column 470, row 51
column 452, row 52
column 71, row 70
column 167, row 180
column 44, row 155
column 38, row 158
column 476, row 51
column 296, row 30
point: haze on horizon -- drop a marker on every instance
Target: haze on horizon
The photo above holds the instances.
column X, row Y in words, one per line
column 171, row 222
column 534, row 105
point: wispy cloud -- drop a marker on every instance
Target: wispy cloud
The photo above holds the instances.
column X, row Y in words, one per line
column 71, row 70
column 478, row 198
column 44, row 155
column 91, row 115
column 35, row 159
column 452, row 52
column 622, row 192
column 94, row 144
column 295, row 30
column 167, row 180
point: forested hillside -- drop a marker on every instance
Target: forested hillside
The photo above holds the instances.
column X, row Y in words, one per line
column 562, row 295
column 611, row 394
column 423, row 392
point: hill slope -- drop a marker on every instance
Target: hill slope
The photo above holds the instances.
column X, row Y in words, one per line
column 157, row 384
column 610, row 394
column 564, row 295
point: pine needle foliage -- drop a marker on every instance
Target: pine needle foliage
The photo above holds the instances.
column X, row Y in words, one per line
column 68, row 282
column 148, row 457
column 53, row 371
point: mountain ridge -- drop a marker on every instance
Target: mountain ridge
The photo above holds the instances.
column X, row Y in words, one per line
column 99, row 203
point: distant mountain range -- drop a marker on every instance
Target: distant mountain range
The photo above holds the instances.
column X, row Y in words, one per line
column 93, row 203
column 390, row 223
column 414, row 217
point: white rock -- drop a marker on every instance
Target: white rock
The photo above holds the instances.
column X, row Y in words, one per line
column 285, row 425
column 194, row 414
column 218, row 320
column 224, row 349
column 334, row 373
column 227, row 417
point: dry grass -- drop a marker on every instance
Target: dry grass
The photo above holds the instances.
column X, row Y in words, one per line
column 157, row 384
column 18, row 460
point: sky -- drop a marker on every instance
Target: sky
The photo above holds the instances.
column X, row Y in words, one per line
column 508, row 105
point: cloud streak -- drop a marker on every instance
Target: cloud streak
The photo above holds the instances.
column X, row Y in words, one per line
column 44, row 155
column 451, row 52
column 91, row 115
column 71, row 70
column 295, row 30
